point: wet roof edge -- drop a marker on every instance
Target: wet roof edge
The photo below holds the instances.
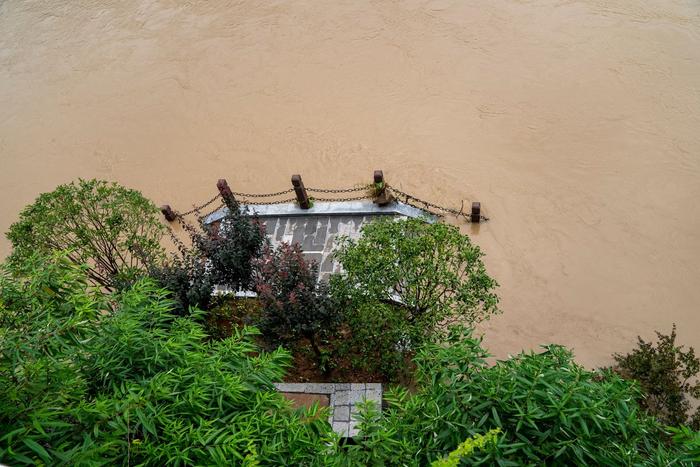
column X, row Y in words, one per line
column 328, row 208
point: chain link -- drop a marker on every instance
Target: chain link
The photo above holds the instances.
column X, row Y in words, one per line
column 408, row 199
column 281, row 201
column 263, row 195
column 340, row 190
column 430, row 207
column 351, row 198
column 199, row 208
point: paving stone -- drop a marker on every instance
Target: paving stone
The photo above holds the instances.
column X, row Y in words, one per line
column 342, row 428
column 341, row 398
column 281, row 229
column 297, row 226
column 355, row 397
column 374, row 386
column 357, row 386
column 315, row 257
column 342, row 386
column 291, row 387
column 333, row 226
column 341, row 413
column 271, row 226
column 320, row 388
column 353, row 429
column 373, row 395
column 321, row 232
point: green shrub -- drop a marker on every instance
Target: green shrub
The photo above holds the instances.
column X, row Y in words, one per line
column 403, row 282
column 668, row 376
column 231, row 248
column 188, row 280
column 112, row 229
column 86, row 380
column 380, row 339
column 433, row 270
column 549, row 409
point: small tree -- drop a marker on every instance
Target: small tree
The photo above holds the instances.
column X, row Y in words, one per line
column 431, row 270
column 668, row 377
column 228, row 248
column 110, row 228
column 294, row 304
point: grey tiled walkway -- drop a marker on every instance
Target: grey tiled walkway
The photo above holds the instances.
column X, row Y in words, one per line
column 316, row 235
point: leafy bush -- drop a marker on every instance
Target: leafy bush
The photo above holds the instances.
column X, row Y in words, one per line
column 231, row 247
column 188, row 281
column 86, row 380
column 220, row 254
column 668, row 376
column 294, row 304
column 380, row 339
column 549, row 409
column 403, row 281
column 111, row 228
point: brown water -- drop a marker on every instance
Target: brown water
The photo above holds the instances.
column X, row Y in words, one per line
column 575, row 123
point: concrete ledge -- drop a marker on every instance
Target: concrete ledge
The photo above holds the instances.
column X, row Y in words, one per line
column 344, row 401
column 328, row 208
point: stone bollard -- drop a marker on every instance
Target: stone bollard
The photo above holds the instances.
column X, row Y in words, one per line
column 476, row 212
column 168, row 213
column 300, row 191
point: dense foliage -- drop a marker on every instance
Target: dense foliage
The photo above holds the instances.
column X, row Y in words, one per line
column 112, row 229
column 403, row 282
column 218, row 255
column 86, row 380
column 548, row 409
column 295, row 305
column 94, row 377
column 668, row 376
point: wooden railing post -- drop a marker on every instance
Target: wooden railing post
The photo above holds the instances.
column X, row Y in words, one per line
column 476, row 212
column 224, row 190
column 381, row 196
column 168, row 213
column 300, row 191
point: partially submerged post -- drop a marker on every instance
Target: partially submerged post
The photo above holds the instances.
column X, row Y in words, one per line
column 300, row 191
column 381, row 196
column 476, row 212
column 168, row 212
column 224, row 190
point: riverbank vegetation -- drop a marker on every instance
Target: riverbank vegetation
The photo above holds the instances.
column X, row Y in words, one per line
column 150, row 368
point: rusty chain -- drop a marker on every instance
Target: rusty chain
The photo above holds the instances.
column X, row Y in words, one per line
column 430, row 207
column 340, row 190
column 418, row 203
column 199, row 208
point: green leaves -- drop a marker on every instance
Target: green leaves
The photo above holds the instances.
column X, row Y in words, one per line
column 130, row 382
column 549, row 409
column 112, row 229
column 432, row 270
column 668, row 377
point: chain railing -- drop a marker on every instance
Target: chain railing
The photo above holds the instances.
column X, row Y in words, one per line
column 372, row 191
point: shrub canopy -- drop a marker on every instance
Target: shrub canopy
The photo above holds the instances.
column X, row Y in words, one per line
column 548, row 410
column 433, row 270
column 84, row 381
column 112, row 229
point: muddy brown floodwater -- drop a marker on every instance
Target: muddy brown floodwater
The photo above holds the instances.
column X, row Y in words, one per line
column 575, row 123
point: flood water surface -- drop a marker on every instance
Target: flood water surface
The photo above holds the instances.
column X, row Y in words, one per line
column 576, row 124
